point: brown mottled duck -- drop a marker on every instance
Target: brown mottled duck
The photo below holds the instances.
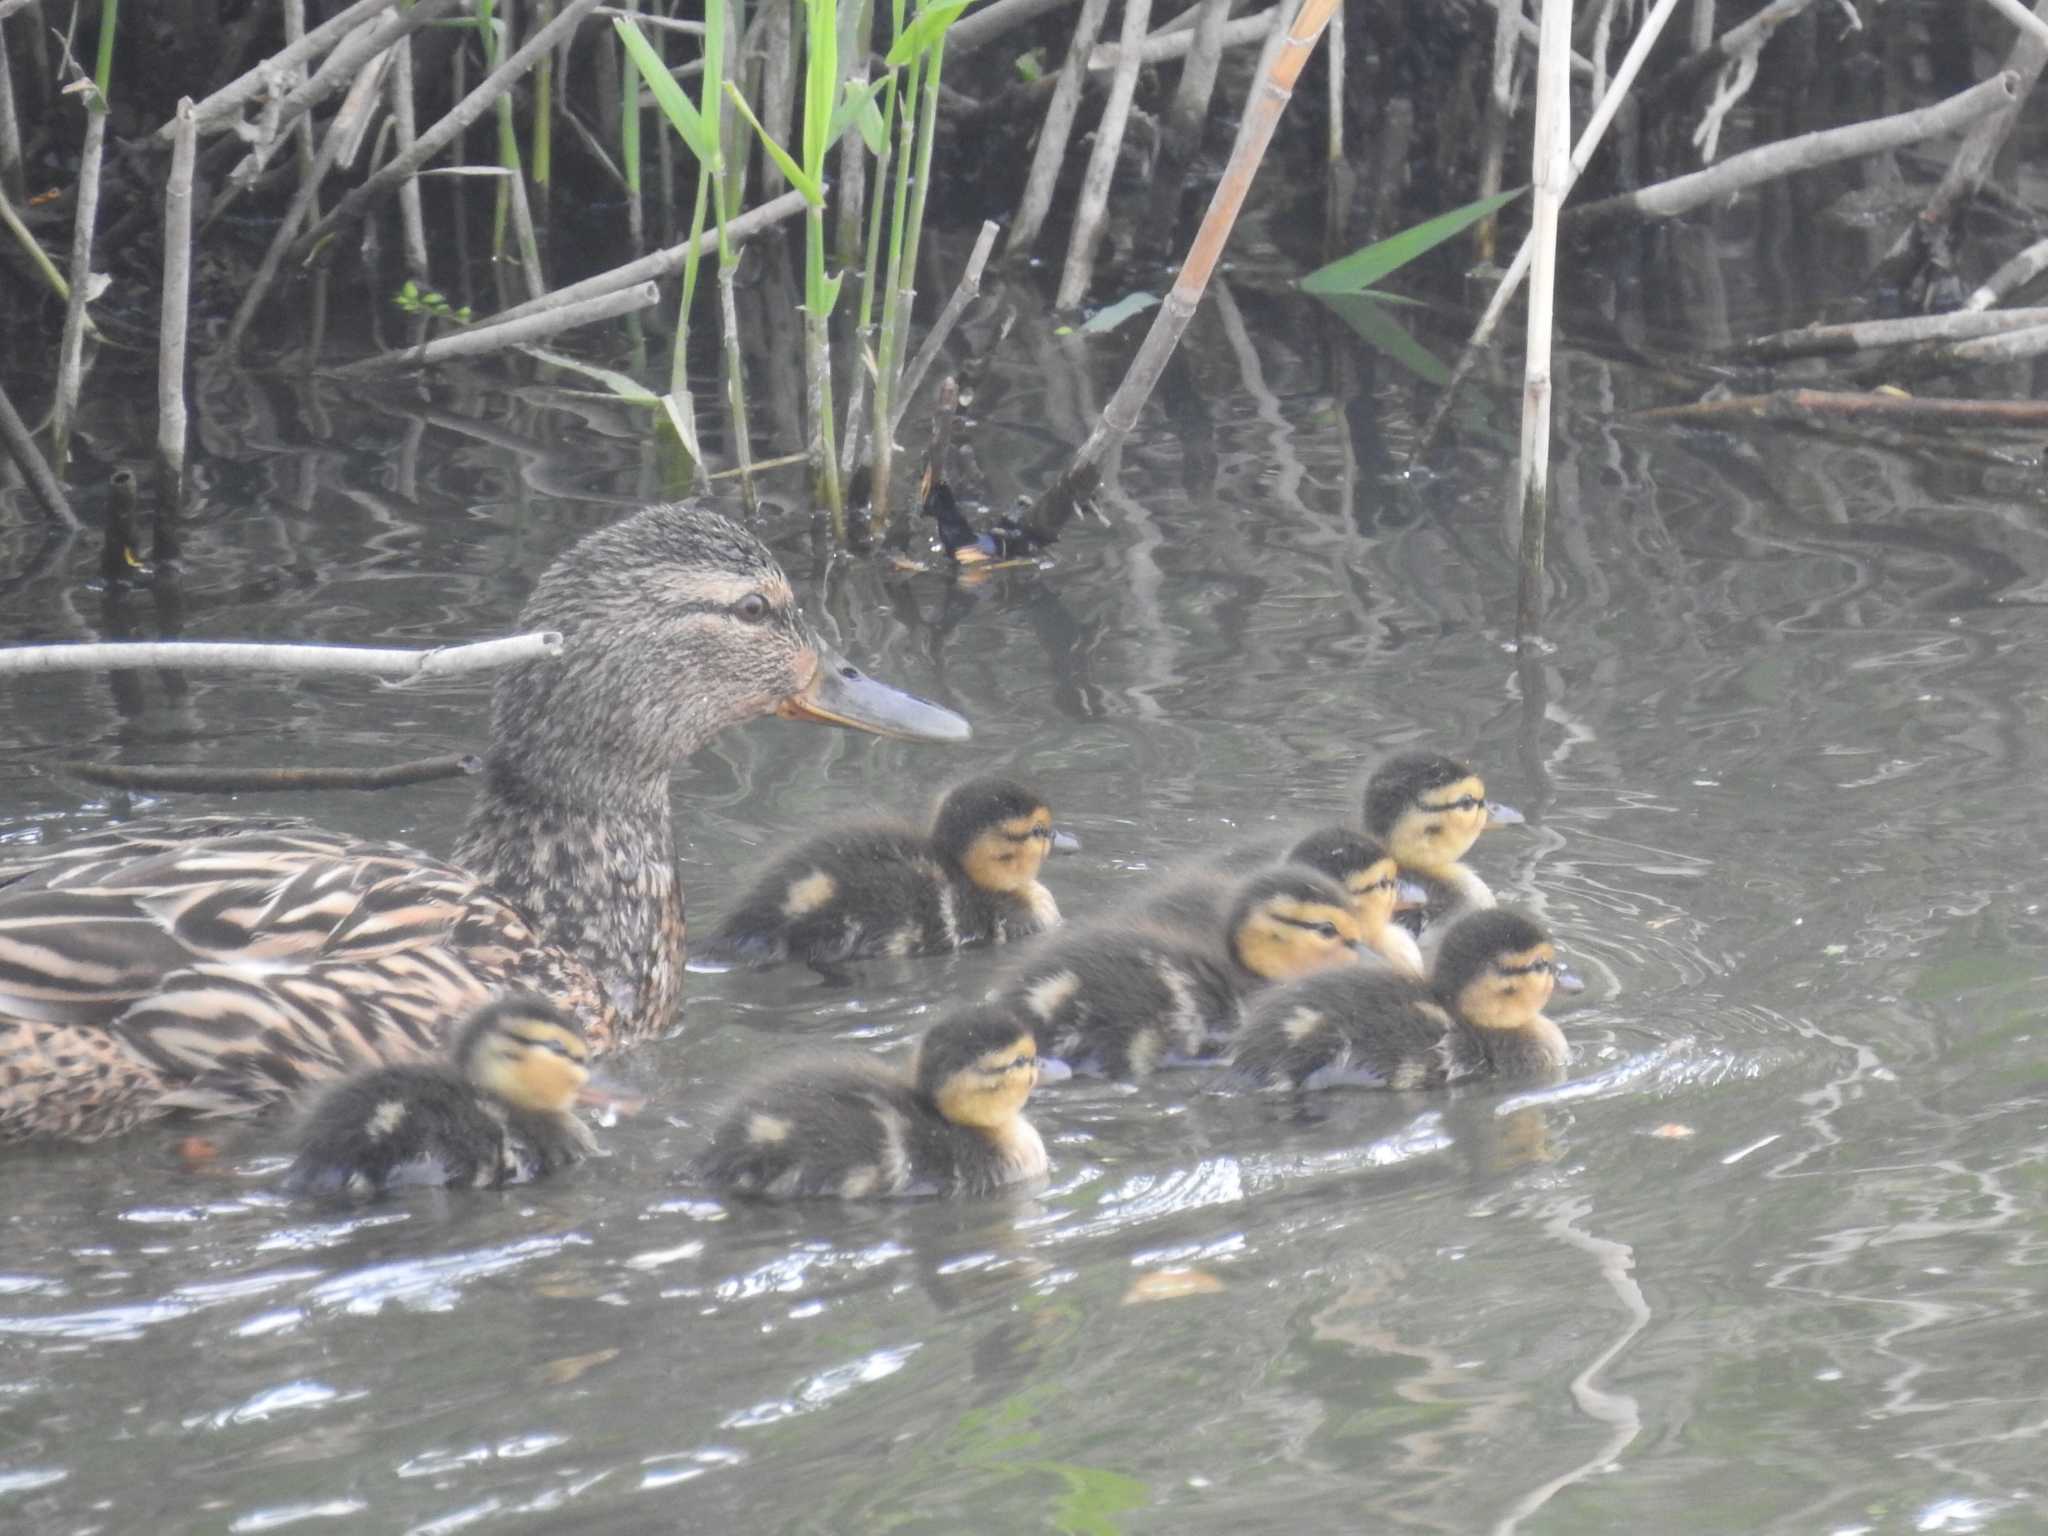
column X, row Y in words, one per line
column 215, row 967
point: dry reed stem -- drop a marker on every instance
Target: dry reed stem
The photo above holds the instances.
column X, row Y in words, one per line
column 1056, row 128
column 170, row 363
column 1552, row 175
column 71, row 350
column 1872, row 335
column 411, row 217
column 211, row 113
column 299, row 660
column 935, row 340
column 21, row 447
column 13, row 180
column 2014, row 275
column 1090, row 213
column 547, row 319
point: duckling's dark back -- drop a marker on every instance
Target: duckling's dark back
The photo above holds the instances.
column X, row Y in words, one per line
column 1121, row 999
column 868, row 890
column 1353, row 1028
column 418, row 1123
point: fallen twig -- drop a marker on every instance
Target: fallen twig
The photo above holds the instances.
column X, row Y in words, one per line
column 21, row 447
column 1794, row 405
column 1871, row 335
column 234, row 656
column 549, row 318
column 228, row 781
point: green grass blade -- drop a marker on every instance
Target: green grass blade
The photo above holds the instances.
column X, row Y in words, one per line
column 810, row 186
column 688, row 121
column 1377, row 327
column 923, row 33
column 1361, row 269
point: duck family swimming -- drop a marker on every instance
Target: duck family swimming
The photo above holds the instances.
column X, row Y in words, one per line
column 216, row 965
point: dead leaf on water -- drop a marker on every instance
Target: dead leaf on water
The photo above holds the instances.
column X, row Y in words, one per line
column 1171, row 1285
column 559, row 1373
column 1671, row 1130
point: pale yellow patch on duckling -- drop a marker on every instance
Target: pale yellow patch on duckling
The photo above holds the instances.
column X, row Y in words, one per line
column 1440, row 828
column 807, row 895
column 1046, row 998
column 1301, row 1023
column 1008, row 856
column 1286, row 937
column 385, row 1119
column 766, row 1130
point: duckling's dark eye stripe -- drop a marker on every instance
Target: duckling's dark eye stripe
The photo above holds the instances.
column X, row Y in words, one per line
column 1533, row 968
column 1462, row 803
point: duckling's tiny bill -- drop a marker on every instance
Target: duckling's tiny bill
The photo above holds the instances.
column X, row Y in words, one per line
column 839, row 693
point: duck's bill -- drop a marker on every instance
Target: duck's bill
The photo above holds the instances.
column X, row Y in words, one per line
column 1052, row 1070
column 1409, row 895
column 1498, row 815
column 597, row 1093
column 1065, row 842
column 839, row 693
column 1569, row 980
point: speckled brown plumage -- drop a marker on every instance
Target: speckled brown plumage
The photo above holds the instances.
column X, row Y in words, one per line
column 214, row 966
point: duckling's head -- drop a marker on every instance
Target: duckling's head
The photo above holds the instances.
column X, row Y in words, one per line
column 1290, row 921
column 676, row 623
column 1366, row 870
column 525, row 1051
column 1429, row 810
column 978, row 1066
column 1497, row 969
column 995, row 832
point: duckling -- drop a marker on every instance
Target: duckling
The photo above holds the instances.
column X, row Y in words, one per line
column 885, row 889
column 1480, row 1014
column 215, row 966
column 496, row 1111
column 852, row 1129
column 1122, row 999
column 1373, row 880
column 1428, row 811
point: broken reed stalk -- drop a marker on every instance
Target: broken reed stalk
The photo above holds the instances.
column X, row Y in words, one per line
column 1811, row 405
column 2015, row 274
column 170, row 360
column 935, row 340
column 546, row 319
column 357, row 205
column 229, row 781
column 21, row 447
column 1057, row 127
column 71, row 350
column 1269, row 96
column 1500, row 110
column 1090, row 213
column 1551, row 163
column 225, row 104
column 13, row 179
column 299, row 660
column 411, row 218
column 1872, row 335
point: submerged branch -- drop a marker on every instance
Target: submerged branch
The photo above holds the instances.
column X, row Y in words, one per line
column 1871, row 335
column 229, row 781
column 1812, row 405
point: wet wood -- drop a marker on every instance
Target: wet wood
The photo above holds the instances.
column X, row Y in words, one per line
column 227, row 781
column 1823, row 405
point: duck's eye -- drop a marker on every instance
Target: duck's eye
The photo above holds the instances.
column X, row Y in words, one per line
column 1327, row 930
column 753, row 608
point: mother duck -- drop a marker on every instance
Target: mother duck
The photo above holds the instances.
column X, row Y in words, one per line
column 216, row 965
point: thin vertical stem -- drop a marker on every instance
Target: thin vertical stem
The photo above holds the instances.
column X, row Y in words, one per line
column 629, row 133
column 13, row 179
column 1109, row 136
column 544, row 121
column 1553, row 178
column 170, row 365
column 70, row 354
column 410, row 216
column 1055, row 130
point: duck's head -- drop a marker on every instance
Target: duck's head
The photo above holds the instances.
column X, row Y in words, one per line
column 1369, row 874
column 1497, row 969
column 526, row 1052
column 1290, row 921
column 677, row 623
column 1429, row 810
column 978, row 1066
column 994, row 831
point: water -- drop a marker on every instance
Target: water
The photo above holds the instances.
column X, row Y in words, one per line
column 1768, row 1262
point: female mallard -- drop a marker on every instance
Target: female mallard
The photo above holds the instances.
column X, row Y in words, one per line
column 1428, row 811
column 498, row 1111
column 193, row 966
column 856, row 1128
column 888, row 889
column 1121, row 999
column 1480, row 1014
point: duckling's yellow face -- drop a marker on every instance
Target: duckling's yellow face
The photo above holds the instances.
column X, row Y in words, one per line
column 1008, row 855
column 1440, row 827
column 1285, row 936
column 1511, row 991
column 1373, row 891
column 990, row 1091
column 532, row 1064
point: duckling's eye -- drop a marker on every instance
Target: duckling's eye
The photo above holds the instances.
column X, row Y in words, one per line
column 1327, row 930
column 753, row 608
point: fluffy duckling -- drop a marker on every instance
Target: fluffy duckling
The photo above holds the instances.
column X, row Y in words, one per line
column 1428, row 811
column 1122, row 999
column 1480, row 1014
column 859, row 1128
column 887, row 889
column 1372, row 878
column 496, row 1112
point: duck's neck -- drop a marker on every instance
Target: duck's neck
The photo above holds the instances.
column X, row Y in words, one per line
column 594, row 868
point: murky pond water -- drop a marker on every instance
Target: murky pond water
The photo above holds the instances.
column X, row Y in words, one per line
column 1771, row 1261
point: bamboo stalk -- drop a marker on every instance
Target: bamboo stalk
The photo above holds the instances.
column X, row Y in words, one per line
column 1552, row 175
column 353, row 208
column 1270, row 94
column 1056, row 128
column 1089, row 215
column 21, row 447
column 212, row 113
column 170, row 366
column 549, row 318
